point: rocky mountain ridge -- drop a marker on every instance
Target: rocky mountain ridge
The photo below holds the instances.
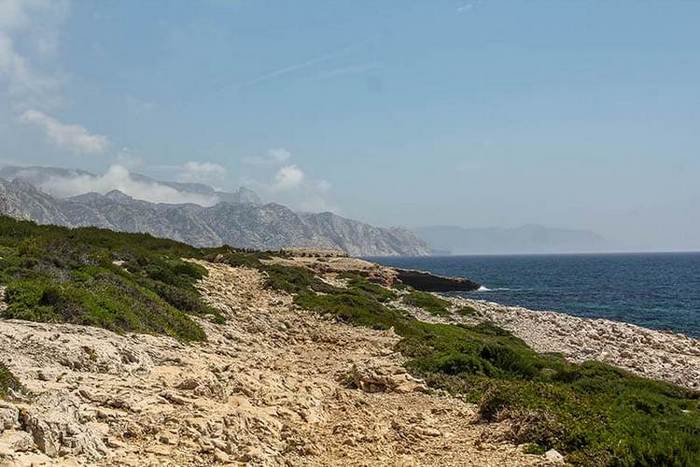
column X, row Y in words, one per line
column 240, row 221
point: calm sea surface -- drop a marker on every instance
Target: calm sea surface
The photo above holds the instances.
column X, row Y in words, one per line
column 659, row 291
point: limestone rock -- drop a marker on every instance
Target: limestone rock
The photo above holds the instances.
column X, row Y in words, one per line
column 9, row 416
column 55, row 424
column 12, row 442
column 554, row 457
column 372, row 377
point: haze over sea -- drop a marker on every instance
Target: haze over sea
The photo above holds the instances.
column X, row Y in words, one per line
column 657, row 290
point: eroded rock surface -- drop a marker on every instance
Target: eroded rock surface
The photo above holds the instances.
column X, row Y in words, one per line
column 275, row 385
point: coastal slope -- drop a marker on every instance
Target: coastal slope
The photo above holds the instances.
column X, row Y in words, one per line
column 128, row 349
column 274, row 385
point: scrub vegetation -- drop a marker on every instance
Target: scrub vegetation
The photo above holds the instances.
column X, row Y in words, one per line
column 118, row 281
column 593, row 413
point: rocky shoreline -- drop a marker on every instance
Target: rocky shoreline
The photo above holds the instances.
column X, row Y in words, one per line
column 666, row 356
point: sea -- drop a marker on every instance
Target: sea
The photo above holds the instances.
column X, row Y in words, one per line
column 655, row 290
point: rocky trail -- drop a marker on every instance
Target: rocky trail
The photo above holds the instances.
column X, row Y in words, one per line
column 275, row 385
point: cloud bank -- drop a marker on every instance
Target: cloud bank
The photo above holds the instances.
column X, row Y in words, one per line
column 201, row 172
column 34, row 24
column 119, row 178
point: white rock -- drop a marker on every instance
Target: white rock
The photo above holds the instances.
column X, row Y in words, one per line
column 55, row 425
column 553, row 456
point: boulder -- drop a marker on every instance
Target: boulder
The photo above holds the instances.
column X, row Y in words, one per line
column 554, row 457
column 371, row 377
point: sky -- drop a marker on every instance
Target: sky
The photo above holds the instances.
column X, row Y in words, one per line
column 573, row 114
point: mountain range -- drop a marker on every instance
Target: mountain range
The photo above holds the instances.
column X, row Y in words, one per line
column 238, row 219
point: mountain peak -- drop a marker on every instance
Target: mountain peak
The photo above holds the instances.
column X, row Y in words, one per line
column 119, row 196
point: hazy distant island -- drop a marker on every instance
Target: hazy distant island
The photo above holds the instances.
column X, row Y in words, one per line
column 527, row 239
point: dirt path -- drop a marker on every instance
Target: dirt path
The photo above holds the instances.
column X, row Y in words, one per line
column 270, row 387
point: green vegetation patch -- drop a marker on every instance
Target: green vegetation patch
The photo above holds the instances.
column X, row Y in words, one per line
column 594, row 413
column 466, row 311
column 428, row 302
column 118, row 281
column 375, row 291
column 9, row 384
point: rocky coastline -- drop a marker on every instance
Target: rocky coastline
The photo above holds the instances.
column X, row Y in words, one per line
column 665, row 356
column 279, row 384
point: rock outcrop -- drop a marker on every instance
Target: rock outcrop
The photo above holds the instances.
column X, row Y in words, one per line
column 429, row 282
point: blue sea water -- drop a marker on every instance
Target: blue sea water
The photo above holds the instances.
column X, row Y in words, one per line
column 658, row 291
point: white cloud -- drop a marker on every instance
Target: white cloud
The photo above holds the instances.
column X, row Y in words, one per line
column 287, row 178
column 466, row 7
column 287, row 183
column 128, row 159
column 119, row 178
column 193, row 171
column 66, row 136
column 30, row 79
column 279, row 154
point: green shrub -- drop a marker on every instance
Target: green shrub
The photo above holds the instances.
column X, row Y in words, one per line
column 294, row 279
column 428, row 302
column 371, row 290
column 466, row 311
column 54, row 274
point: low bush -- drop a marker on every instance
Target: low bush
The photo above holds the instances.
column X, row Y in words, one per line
column 466, row 311
column 294, row 279
column 371, row 290
column 54, row 274
column 428, row 302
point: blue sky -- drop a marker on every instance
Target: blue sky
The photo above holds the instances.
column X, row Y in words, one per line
column 483, row 113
